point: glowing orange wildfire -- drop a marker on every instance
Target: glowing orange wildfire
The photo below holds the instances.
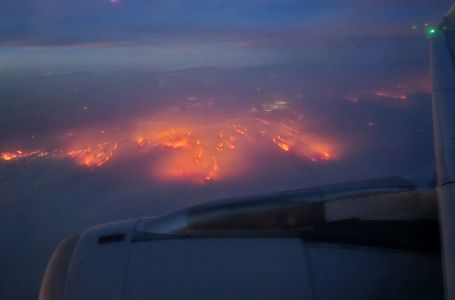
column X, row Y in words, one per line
column 19, row 154
column 189, row 150
column 94, row 156
column 193, row 152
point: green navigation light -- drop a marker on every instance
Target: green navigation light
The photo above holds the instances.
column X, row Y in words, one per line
column 432, row 31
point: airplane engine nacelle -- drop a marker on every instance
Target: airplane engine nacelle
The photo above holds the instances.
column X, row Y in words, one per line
column 108, row 262
column 374, row 239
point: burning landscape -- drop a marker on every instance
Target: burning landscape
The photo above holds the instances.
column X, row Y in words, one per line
column 196, row 146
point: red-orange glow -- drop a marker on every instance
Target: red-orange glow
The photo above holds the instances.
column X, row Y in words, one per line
column 94, row 156
column 9, row 156
column 326, row 155
column 192, row 153
column 174, row 138
column 182, row 165
column 140, row 141
column 282, row 143
column 318, row 152
column 20, row 154
column 213, row 172
column 401, row 91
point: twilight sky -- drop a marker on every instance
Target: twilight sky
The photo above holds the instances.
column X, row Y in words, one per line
column 137, row 34
column 129, row 108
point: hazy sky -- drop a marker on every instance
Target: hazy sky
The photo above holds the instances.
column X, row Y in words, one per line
column 350, row 77
column 177, row 34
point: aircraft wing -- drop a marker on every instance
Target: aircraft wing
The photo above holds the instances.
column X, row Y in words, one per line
column 442, row 39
